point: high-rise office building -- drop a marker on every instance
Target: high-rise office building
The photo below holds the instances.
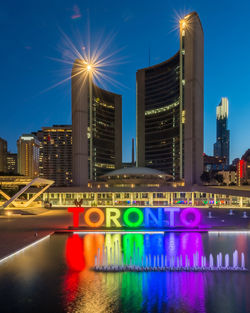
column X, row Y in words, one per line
column 221, row 147
column 56, row 154
column 12, row 163
column 170, row 108
column 28, row 155
column 96, row 127
column 3, row 155
column 243, row 169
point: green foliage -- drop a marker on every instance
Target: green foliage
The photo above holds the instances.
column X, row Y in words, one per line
column 205, row 177
column 219, row 178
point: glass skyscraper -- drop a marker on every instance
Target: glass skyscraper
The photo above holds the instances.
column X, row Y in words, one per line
column 221, row 147
column 56, row 154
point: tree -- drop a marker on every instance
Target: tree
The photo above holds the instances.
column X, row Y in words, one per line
column 219, row 178
column 205, row 177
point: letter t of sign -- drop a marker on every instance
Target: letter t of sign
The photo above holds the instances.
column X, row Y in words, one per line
column 76, row 211
column 171, row 215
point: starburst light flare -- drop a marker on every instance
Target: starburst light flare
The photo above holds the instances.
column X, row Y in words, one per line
column 98, row 61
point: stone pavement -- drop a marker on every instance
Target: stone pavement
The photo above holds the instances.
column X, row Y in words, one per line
column 16, row 232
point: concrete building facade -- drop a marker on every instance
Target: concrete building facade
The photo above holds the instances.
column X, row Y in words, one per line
column 96, row 127
column 55, row 161
column 28, row 155
column 212, row 163
column 3, row 155
column 12, row 163
column 243, row 169
column 229, row 177
column 170, row 101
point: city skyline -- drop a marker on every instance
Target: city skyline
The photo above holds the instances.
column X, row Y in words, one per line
column 84, row 227
column 25, row 114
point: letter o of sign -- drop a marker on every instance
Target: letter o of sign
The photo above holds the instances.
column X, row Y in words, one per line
column 196, row 217
column 98, row 212
column 130, row 223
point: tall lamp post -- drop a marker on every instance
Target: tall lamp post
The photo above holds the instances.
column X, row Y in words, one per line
column 89, row 69
column 182, row 104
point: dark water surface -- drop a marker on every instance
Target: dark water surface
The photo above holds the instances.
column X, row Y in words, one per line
column 54, row 276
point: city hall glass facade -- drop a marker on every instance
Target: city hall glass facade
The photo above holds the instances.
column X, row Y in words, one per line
column 103, row 132
column 169, row 109
column 96, row 128
column 162, row 117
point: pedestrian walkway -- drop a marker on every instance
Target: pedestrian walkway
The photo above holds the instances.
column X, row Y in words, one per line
column 20, row 231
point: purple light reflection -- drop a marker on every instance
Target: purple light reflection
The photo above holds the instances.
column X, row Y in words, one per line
column 192, row 290
column 192, row 284
column 190, row 243
column 171, row 242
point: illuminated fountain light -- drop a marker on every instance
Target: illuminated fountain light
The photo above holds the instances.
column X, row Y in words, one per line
column 244, row 215
column 235, row 259
column 210, row 214
column 160, row 262
column 227, row 261
column 243, row 261
column 203, row 262
column 211, row 261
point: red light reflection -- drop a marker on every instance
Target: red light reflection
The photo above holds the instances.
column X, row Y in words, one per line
column 74, row 253
column 80, row 255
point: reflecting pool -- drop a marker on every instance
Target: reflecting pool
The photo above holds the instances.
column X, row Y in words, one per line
column 56, row 276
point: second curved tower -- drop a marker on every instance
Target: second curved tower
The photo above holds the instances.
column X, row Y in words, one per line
column 170, row 108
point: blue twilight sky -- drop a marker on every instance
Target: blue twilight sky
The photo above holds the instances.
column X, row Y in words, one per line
column 33, row 35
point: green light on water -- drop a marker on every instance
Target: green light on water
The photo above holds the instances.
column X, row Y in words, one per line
column 133, row 246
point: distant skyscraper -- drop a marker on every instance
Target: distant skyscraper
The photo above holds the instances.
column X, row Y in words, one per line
column 28, row 155
column 170, row 108
column 221, row 147
column 3, row 155
column 56, row 154
column 96, row 127
column 12, row 163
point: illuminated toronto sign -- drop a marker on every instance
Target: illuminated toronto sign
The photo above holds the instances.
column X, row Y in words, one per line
column 135, row 217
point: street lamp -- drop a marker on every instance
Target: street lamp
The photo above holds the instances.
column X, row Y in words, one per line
column 90, row 74
column 183, row 24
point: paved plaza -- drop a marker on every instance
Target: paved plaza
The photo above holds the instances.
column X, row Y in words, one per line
column 16, row 232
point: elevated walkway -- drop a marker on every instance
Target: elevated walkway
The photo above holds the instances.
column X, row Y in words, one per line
column 28, row 182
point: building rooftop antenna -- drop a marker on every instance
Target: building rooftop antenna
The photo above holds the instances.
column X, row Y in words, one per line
column 149, row 55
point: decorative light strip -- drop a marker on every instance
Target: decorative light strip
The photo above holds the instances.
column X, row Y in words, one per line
column 118, row 232
column 162, row 109
column 215, row 232
column 23, row 249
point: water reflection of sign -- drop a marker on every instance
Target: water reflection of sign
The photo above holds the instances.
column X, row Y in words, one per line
column 159, row 290
column 135, row 217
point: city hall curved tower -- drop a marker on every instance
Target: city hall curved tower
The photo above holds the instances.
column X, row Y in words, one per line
column 170, row 108
column 96, row 127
